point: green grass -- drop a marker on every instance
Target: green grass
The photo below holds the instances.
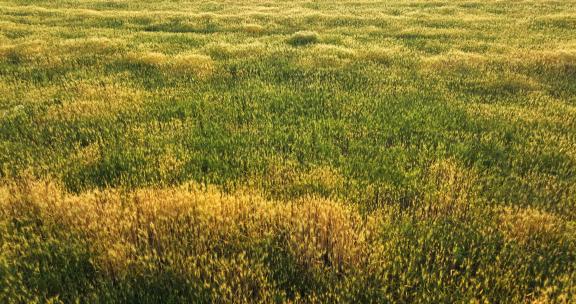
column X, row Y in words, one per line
column 303, row 38
column 396, row 108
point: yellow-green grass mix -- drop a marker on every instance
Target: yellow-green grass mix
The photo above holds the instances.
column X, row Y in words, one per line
column 287, row 151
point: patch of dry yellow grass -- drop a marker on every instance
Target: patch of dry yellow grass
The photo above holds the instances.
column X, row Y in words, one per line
column 244, row 50
column 319, row 231
column 97, row 101
column 381, row 55
column 454, row 61
column 253, row 29
column 526, row 225
column 197, row 65
column 201, row 66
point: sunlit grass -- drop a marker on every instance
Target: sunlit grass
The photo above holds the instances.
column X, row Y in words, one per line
column 287, row 151
column 211, row 246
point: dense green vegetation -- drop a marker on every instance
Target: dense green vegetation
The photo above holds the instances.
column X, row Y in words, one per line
column 277, row 151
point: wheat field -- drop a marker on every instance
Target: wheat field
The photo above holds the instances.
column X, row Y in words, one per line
column 348, row 151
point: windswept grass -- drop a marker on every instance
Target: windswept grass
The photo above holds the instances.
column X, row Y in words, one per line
column 287, row 151
column 209, row 246
column 303, row 38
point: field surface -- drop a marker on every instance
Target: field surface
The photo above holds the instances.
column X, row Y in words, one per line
column 288, row 151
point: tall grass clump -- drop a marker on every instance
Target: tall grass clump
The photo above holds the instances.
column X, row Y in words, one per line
column 209, row 246
column 287, row 151
column 253, row 29
column 201, row 66
column 303, row 38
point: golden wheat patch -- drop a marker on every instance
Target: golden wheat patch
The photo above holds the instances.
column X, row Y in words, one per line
column 453, row 189
column 153, row 59
column 23, row 52
column 326, row 56
column 321, row 233
column 452, row 33
column 381, row 55
column 526, row 225
column 303, row 38
column 201, row 66
column 229, row 51
column 97, row 101
column 86, row 46
column 455, row 61
column 253, row 29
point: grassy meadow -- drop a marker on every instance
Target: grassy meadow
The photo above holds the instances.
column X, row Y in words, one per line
column 410, row 151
